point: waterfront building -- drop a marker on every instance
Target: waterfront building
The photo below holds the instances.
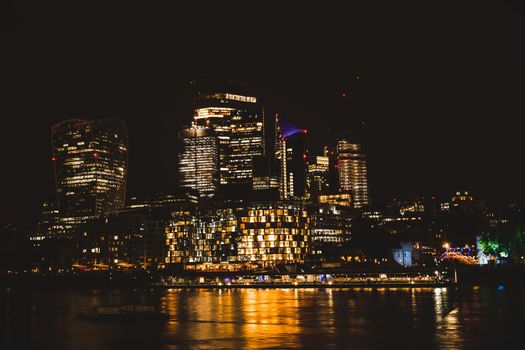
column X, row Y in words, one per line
column 123, row 239
column 331, row 229
column 247, row 236
column 134, row 238
column 413, row 254
column 272, row 233
column 202, row 239
column 199, row 161
column 130, row 237
column 238, row 122
column 353, row 178
column 90, row 159
column 291, row 154
column 331, row 223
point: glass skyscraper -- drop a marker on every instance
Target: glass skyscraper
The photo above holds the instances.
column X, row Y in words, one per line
column 318, row 168
column 199, row 161
column 90, row 160
column 291, row 154
column 238, row 122
column 353, row 178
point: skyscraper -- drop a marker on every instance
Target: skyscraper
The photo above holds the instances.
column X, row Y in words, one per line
column 199, row 161
column 353, row 179
column 318, row 169
column 90, row 160
column 238, row 122
column 291, row 154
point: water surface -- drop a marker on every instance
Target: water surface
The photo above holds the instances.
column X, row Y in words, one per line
column 477, row 317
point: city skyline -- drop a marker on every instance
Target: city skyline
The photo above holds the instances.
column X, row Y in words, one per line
column 262, row 174
column 435, row 114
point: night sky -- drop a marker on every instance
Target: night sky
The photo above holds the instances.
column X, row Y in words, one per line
column 439, row 86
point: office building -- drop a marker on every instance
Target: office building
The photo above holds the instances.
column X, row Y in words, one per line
column 342, row 199
column 318, row 180
column 199, row 161
column 272, row 233
column 238, row 122
column 202, row 239
column 245, row 236
column 353, row 178
column 331, row 229
column 291, row 154
column 90, row 159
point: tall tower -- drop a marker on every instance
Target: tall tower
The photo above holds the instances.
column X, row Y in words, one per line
column 199, row 161
column 353, row 179
column 292, row 155
column 318, row 168
column 238, row 121
column 91, row 160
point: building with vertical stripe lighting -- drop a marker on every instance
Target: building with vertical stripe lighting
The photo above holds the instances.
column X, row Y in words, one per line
column 199, row 161
column 352, row 169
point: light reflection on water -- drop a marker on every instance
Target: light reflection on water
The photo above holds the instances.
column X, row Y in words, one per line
column 273, row 318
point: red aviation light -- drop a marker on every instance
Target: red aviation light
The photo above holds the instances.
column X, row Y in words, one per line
column 53, row 158
column 304, row 131
column 305, row 156
column 343, row 94
column 95, row 154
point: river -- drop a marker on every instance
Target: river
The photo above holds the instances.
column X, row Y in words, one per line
column 425, row 318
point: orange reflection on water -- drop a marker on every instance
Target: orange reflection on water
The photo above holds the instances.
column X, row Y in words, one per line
column 233, row 318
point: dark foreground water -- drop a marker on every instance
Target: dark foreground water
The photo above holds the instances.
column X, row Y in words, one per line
column 477, row 318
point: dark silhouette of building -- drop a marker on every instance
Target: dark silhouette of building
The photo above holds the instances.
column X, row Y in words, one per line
column 90, row 160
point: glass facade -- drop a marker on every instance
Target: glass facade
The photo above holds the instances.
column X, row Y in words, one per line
column 202, row 238
column 331, row 224
column 291, row 153
column 255, row 235
column 90, row 160
column 318, row 176
column 199, row 161
column 342, row 199
column 274, row 233
column 238, row 122
column 353, row 178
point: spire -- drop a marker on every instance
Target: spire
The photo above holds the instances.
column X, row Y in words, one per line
column 288, row 129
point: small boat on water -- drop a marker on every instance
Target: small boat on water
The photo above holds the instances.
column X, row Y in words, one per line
column 123, row 313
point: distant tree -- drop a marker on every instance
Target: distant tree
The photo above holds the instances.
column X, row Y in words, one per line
column 507, row 241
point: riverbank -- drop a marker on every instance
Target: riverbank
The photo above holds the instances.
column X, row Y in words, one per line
column 308, row 285
column 461, row 276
